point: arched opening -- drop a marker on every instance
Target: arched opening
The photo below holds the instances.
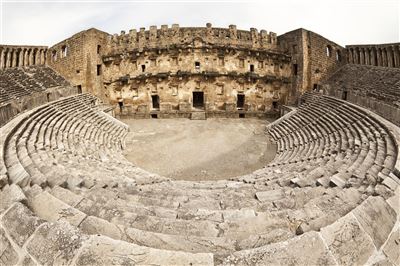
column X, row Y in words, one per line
column 54, row 55
column 64, row 51
column 338, row 56
column 328, row 51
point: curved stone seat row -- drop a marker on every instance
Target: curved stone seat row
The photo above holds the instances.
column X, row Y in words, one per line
column 372, row 81
column 78, row 201
column 24, row 81
column 353, row 145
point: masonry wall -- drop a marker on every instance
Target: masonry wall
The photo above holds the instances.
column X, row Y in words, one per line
column 252, row 69
column 314, row 57
column 77, row 58
column 168, row 37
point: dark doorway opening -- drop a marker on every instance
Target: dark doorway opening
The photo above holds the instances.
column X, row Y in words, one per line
column 251, row 68
column 275, row 105
column 154, row 116
column 143, row 68
column 79, row 89
column 120, row 104
column 156, row 101
column 240, row 101
column 315, row 87
column 295, row 69
column 344, row 95
column 242, row 115
column 198, row 99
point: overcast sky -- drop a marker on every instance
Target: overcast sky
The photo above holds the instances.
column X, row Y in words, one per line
column 344, row 22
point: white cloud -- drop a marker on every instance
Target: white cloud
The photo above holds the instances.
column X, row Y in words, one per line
column 345, row 22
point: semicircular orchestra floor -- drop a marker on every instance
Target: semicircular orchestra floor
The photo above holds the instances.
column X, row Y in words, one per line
column 199, row 149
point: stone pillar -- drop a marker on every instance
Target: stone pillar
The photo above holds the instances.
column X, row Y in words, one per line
column 396, row 51
column 13, row 58
column 373, row 57
column 362, row 56
column 21, row 57
column 379, row 57
column 30, row 58
column 25, row 57
column 8, row 60
column 368, row 56
column 384, row 57
column 390, row 56
column 42, row 57
column 356, row 56
column 350, row 59
column 1, row 58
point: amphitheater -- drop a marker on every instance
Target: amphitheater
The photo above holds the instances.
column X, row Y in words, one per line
column 330, row 195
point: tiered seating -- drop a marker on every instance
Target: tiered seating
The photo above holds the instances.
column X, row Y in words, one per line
column 72, row 198
column 19, row 82
column 381, row 83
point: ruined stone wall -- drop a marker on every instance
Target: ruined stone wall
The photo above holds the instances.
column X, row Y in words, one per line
column 247, row 75
column 77, row 58
column 21, row 55
column 167, row 37
column 386, row 55
column 314, row 58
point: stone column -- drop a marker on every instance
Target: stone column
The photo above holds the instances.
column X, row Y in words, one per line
column 2, row 58
column 350, row 56
column 30, row 60
column 390, row 56
column 21, row 58
column 379, row 57
column 396, row 50
column 8, row 60
column 14, row 58
column 368, row 56
column 384, row 57
column 26, row 57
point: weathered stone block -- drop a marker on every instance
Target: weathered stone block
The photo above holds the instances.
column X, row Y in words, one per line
column 52, row 209
column 348, row 242
column 105, row 251
column 55, row 243
column 8, row 255
column 308, row 249
column 377, row 218
column 20, row 223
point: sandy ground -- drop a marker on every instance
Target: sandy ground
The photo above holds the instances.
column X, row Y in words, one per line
column 198, row 149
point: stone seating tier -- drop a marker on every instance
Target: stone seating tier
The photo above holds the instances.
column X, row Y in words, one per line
column 70, row 197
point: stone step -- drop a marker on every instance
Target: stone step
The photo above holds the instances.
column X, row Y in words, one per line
column 198, row 115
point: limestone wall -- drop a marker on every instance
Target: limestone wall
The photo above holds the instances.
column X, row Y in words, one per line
column 314, row 58
column 386, row 55
column 77, row 58
column 175, row 36
column 21, row 55
column 176, row 62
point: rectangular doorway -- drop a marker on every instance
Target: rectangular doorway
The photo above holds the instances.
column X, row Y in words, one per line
column 240, row 101
column 156, row 101
column 344, row 95
column 198, row 99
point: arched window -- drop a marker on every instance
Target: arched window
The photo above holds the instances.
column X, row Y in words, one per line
column 328, row 51
column 338, row 56
column 64, row 51
column 54, row 55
